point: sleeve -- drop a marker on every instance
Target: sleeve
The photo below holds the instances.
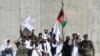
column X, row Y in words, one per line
column 93, row 48
column 48, row 47
column 28, row 47
column 40, row 47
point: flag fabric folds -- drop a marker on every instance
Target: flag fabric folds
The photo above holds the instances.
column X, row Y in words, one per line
column 62, row 18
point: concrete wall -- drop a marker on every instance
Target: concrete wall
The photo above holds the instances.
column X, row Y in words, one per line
column 83, row 17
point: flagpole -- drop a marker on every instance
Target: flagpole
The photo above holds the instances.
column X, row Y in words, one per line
column 40, row 15
column 19, row 18
column 62, row 5
column 62, row 26
column 62, row 34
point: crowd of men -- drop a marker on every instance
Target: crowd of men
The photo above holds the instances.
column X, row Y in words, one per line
column 45, row 44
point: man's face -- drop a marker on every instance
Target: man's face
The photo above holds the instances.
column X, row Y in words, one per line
column 74, row 36
column 46, row 31
column 86, row 37
column 8, row 42
column 33, row 30
column 40, row 35
column 27, row 39
column 67, row 38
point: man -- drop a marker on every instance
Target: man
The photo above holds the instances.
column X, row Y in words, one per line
column 7, row 49
column 45, row 48
column 53, row 47
column 87, row 48
column 39, row 37
column 35, row 51
column 28, row 46
column 66, row 47
column 33, row 36
column 46, row 34
column 75, row 45
column 51, row 33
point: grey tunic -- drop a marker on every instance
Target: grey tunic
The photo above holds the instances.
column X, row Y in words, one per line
column 21, row 51
column 87, row 48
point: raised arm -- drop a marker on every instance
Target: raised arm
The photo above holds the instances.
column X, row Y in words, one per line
column 21, row 33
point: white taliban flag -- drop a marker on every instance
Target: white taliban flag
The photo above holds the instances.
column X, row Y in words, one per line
column 56, row 31
column 29, row 23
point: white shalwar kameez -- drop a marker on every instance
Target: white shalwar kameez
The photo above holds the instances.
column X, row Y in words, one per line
column 59, row 49
column 75, row 50
column 6, row 46
column 36, row 51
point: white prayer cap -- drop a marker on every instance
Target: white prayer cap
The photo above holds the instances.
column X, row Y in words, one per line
column 78, row 34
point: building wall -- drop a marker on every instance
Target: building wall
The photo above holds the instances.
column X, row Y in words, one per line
column 83, row 17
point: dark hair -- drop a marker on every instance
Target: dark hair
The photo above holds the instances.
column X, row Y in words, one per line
column 40, row 33
column 76, row 35
column 52, row 29
column 8, row 41
column 85, row 36
column 67, row 37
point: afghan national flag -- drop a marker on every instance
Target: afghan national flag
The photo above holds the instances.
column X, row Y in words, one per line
column 62, row 18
